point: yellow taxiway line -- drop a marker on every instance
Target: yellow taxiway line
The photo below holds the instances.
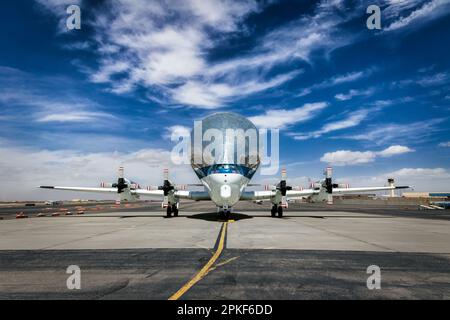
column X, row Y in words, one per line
column 206, row 268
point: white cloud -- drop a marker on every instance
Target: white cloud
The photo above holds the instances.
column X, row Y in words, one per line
column 75, row 117
column 394, row 150
column 445, row 144
column 177, row 131
column 23, row 169
column 280, row 118
column 420, row 173
column 347, row 157
column 165, row 48
column 420, row 179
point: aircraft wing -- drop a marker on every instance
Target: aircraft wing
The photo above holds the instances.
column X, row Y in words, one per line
column 257, row 195
column 300, row 193
column 181, row 194
column 366, row 189
column 155, row 194
column 83, row 189
column 265, row 195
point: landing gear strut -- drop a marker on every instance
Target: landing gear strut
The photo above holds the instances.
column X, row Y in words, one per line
column 273, row 212
column 175, row 211
column 225, row 214
column 276, row 210
column 280, row 212
column 172, row 209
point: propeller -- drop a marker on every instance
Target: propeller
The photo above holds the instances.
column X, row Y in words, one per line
column 121, row 183
column 282, row 185
column 167, row 185
column 328, row 184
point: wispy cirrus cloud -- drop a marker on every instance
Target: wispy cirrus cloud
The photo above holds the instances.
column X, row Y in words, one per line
column 281, row 118
column 395, row 132
column 425, row 12
column 165, row 48
column 41, row 99
column 336, row 80
column 214, row 95
column 351, row 120
column 424, row 80
column 75, row 117
column 354, row 93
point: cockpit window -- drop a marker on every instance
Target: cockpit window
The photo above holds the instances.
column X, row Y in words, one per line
column 223, row 168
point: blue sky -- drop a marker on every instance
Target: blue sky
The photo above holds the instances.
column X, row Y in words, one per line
column 76, row 104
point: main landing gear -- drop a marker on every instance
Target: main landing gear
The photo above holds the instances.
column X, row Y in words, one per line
column 172, row 209
column 276, row 210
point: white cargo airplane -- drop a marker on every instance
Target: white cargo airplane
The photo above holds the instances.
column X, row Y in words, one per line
column 225, row 184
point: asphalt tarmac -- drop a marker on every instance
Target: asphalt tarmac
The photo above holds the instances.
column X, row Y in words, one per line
column 315, row 252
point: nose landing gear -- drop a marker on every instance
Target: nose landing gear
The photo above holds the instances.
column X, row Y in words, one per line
column 225, row 213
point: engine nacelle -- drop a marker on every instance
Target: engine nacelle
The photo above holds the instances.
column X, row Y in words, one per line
column 105, row 185
column 341, row 185
column 316, row 185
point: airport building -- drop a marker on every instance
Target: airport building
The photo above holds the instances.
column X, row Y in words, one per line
column 426, row 195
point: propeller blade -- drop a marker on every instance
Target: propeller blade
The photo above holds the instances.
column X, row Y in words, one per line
column 329, row 198
column 121, row 184
column 167, row 186
column 328, row 180
column 328, row 172
column 283, row 174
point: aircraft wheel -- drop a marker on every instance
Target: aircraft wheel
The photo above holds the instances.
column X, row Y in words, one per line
column 175, row 211
column 169, row 211
column 280, row 212
column 273, row 211
column 225, row 214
